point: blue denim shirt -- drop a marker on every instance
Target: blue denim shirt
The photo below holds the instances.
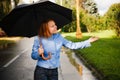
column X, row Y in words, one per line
column 53, row 45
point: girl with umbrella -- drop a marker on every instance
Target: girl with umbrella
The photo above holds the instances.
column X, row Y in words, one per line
column 46, row 50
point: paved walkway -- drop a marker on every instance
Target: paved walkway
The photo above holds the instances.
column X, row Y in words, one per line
column 67, row 71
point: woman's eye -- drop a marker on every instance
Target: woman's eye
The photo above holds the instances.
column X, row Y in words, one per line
column 53, row 26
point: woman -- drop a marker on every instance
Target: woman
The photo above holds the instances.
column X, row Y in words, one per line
column 49, row 43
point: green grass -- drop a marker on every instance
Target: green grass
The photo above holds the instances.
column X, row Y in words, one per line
column 6, row 42
column 104, row 54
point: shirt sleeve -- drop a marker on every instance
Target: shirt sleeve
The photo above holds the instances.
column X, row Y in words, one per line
column 75, row 45
column 35, row 54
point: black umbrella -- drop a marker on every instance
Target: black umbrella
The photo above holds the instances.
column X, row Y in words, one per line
column 25, row 19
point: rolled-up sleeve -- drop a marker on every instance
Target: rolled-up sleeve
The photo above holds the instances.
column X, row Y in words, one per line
column 76, row 45
column 35, row 54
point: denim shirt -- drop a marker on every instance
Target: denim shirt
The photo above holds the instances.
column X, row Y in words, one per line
column 54, row 45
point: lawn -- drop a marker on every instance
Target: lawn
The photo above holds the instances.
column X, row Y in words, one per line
column 103, row 55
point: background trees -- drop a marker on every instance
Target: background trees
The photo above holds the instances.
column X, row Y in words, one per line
column 112, row 18
column 5, row 7
column 90, row 20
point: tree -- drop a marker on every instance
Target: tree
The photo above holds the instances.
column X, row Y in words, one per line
column 112, row 18
column 90, row 7
column 5, row 8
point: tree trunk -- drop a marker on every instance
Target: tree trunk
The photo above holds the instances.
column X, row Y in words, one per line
column 78, row 29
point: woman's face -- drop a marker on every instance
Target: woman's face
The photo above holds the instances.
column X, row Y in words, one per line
column 52, row 27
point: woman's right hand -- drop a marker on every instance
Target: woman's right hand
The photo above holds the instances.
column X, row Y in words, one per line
column 40, row 50
column 41, row 53
column 93, row 39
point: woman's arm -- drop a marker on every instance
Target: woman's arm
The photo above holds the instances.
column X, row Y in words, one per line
column 78, row 45
column 35, row 54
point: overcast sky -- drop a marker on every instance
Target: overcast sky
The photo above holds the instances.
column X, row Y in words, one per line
column 103, row 5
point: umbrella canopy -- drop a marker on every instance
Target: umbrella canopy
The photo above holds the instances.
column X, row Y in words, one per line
column 25, row 19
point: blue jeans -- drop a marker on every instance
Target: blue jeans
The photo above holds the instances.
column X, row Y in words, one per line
column 45, row 74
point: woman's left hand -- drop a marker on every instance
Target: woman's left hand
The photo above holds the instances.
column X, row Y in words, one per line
column 93, row 39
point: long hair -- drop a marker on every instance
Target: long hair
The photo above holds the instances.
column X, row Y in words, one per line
column 44, row 29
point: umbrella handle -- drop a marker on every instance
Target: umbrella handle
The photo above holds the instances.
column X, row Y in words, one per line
column 46, row 58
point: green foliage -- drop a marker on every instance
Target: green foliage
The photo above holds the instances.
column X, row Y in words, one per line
column 5, row 8
column 112, row 18
column 87, row 22
column 72, row 26
column 114, row 12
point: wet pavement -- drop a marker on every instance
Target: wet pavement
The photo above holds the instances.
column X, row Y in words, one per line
column 19, row 66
